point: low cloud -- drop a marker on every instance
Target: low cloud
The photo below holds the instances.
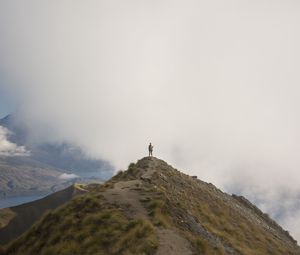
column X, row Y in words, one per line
column 66, row 176
column 214, row 85
column 8, row 148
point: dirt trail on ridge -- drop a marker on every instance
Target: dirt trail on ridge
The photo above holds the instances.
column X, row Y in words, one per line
column 127, row 193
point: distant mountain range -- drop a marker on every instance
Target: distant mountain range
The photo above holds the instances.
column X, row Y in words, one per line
column 48, row 168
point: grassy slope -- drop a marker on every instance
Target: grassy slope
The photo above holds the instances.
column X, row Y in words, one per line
column 212, row 221
column 87, row 225
column 6, row 215
column 16, row 220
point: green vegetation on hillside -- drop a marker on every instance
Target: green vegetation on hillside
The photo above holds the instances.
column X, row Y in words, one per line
column 16, row 220
column 188, row 201
column 87, row 225
column 6, row 215
column 152, row 208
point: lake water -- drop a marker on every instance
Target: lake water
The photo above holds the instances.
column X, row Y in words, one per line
column 13, row 201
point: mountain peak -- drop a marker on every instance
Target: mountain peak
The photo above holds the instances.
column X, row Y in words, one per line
column 152, row 208
column 6, row 119
column 152, row 163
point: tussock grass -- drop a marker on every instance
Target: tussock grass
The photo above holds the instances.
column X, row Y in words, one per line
column 212, row 221
column 6, row 215
column 214, row 211
column 87, row 225
column 157, row 213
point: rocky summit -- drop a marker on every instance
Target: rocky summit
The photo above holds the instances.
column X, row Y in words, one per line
column 152, row 208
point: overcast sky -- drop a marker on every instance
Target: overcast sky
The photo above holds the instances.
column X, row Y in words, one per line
column 214, row 85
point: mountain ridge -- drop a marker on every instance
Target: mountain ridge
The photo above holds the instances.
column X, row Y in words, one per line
column 152, row 208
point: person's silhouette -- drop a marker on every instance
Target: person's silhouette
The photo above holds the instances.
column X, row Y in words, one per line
column 150, row 149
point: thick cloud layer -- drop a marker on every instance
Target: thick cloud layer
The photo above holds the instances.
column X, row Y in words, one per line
column 8, row 148
column 213, row 85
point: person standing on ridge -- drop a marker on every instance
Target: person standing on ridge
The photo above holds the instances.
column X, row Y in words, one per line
column 150, row 149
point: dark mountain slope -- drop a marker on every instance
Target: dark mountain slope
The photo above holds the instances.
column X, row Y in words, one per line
column 16, row 220
column 153, row 208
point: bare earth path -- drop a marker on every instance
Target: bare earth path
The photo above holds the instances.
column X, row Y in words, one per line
column 170, row 243
column 124, row 194
column 127, row 194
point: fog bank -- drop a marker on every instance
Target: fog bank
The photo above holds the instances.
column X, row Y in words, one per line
column 213, row 85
